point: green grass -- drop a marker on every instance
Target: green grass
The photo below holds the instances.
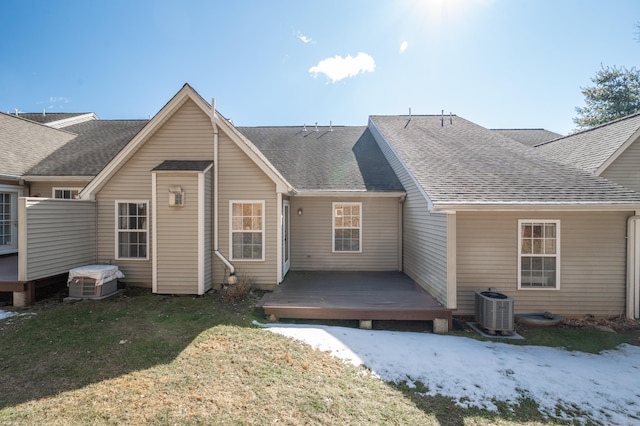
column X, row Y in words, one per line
column 148, row 359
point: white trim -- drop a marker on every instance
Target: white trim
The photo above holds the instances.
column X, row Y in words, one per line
column 64, row 188
column 353, row 194
column 282, row 185
column 154, row 229
column 379, row 138
column 452, row 261
column 85, row 179
column 617, row 153
column 117, row 231
column 286, row 220
column 186, row 93
column 633, row 267
column 59, row 124
column 279, row 237
column 556, row 255
column 515, row 207
column 201, row 233
column 333, row 226
column 16, row 193
column 264, row 232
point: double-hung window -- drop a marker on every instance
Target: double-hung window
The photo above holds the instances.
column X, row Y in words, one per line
column 539, row 254
column 347, row 227
column 247, row 230
column 132, row 229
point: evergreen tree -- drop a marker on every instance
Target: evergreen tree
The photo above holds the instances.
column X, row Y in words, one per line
column 615, row 94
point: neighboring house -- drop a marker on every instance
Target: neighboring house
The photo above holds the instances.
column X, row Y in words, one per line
column 48, row 159
column 186, row 200
column 529, row 137
column 611, row 150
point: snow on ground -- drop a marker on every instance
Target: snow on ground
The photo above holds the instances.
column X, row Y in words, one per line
column 605, row 387
column 5, row 314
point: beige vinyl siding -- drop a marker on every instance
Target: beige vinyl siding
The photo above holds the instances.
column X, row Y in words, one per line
column 592, row 261
column 312, row 238
column 240, row 179
column 208, row 230
column 424, row 234
column 186, row 135
column 425, row 246
column 625, row 170
column 177, row 235
column 45, row 189
column 55, row 236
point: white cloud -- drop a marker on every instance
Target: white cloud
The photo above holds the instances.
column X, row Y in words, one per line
column 304, row 38
column 338, row 68
column 57, row 102
column 403, row 46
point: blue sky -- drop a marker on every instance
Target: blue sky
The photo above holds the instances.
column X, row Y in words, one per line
column 498, row 63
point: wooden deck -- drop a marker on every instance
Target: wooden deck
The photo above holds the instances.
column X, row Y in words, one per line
column 9, row 281
column 360, row 296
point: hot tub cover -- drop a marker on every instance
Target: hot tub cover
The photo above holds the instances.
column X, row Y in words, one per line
column 101, row 273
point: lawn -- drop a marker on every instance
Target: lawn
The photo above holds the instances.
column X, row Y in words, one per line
column 139, row 358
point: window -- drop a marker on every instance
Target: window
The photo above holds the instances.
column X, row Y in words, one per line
column 66, row 193
column 132, row 229
column 247, row 230
column 347, row 227
column 6, row 213
column 539, row 254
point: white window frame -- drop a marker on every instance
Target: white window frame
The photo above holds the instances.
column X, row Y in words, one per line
column 119, row 231
column 556, row 255
column 232, row 231
column 333, row 226
column 71, row 190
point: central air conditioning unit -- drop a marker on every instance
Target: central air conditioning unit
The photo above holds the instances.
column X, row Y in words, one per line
column 494, row 312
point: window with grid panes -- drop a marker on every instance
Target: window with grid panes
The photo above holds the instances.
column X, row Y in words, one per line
column 347, row 227
column 247, row 230
column 539, row 254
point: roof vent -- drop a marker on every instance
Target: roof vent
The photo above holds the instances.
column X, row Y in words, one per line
column 330, row 126
column 304, row 127
column 316, row 129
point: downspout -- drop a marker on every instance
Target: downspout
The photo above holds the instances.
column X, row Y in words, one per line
column 232, row 279
column 633, row 267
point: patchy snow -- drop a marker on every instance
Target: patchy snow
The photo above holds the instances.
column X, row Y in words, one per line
column 604, row 387
column 5, row 314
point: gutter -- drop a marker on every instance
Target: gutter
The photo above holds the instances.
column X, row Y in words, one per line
column 232, row 279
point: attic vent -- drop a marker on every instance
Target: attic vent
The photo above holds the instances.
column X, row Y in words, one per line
column 176, row 196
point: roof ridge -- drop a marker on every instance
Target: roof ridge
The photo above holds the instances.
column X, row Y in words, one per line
column 38, row 124
column 608, row 123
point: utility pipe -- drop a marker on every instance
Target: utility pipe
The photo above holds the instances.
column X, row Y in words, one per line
column 232, row 279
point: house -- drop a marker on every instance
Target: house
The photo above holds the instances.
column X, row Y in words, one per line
column 47, row 159
column 187, row 201
column 611, row 150
column 483, row 211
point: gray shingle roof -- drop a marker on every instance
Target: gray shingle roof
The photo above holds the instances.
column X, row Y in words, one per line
column 49, row 117
column 591, row 148
column 24, row 143
column 330, row 159
column 98, row 141
column 529, row 137
column 182, row 165
column 463, row 163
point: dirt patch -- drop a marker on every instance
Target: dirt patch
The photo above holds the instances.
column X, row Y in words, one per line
column 618, row 324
